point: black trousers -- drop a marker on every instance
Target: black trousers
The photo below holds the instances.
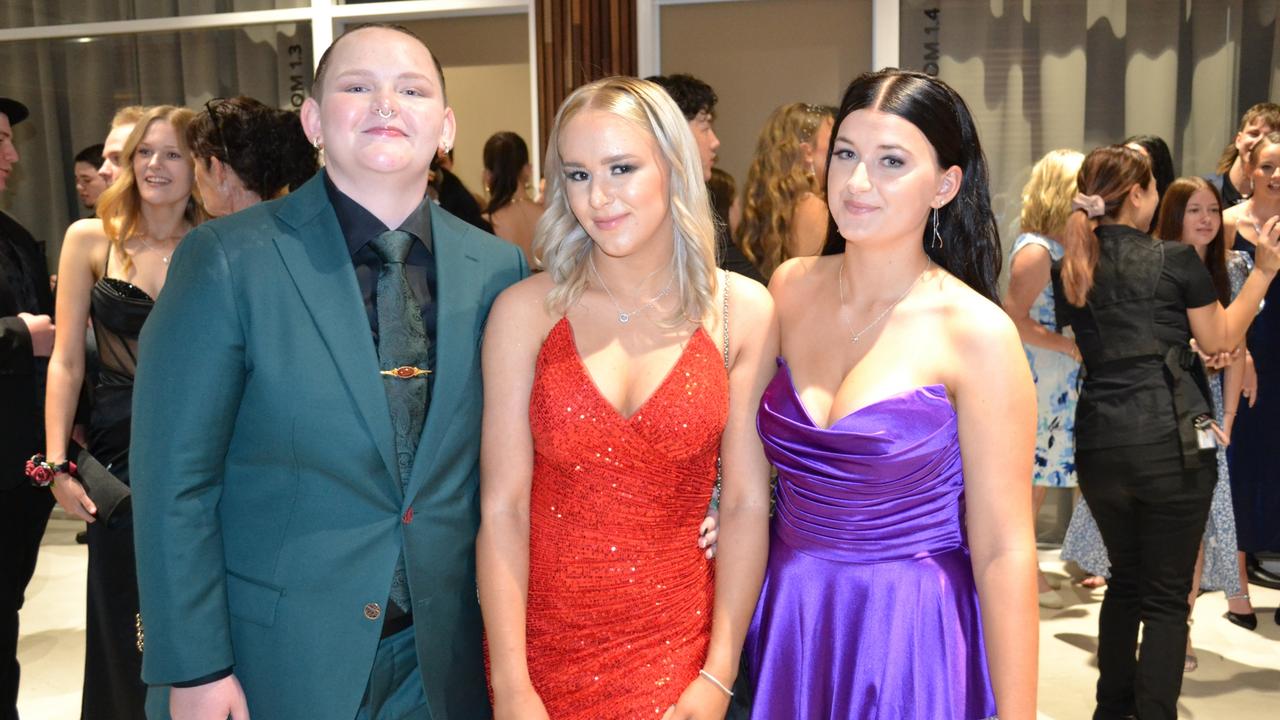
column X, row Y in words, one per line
column 24, row 513
column 1151, row 513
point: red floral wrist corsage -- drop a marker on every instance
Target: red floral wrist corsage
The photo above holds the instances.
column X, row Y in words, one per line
column 42, row 473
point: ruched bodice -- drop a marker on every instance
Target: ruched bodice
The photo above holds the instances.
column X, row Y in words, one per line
column 119, row 309
column 868, row 608
column 620, row 595
column 883, row 483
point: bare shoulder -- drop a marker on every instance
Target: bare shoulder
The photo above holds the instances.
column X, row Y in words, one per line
column 85, row 245
column 86, row 233
column 520, row 311
column 749, row 299
column 798, row 278
column 1234, row 213
column 976, row 325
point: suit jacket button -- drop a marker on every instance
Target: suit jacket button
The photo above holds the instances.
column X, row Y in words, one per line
column 372, row 611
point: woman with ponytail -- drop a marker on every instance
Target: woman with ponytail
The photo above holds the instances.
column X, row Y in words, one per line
column 902, row 422
column 1144, row 425
column 507, row 177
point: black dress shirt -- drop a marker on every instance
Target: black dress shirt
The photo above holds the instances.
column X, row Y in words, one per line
column 360, row 228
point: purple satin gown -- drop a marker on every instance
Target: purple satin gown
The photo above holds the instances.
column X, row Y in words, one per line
column 868, row 608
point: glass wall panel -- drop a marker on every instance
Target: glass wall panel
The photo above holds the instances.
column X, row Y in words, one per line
column 28, row 13
column 486, row 72
column 760, row 54
column 73, row 88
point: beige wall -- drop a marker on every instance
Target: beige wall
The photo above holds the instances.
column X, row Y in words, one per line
column 761, row 54
column 486, row 71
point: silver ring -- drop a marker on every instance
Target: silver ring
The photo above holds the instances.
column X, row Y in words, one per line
column 384, row 117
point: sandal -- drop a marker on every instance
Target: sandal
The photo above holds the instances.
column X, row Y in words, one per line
column 1189, row 661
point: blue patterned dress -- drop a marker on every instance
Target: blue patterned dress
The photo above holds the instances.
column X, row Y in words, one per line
column 1057, row 387
column 1083, row 542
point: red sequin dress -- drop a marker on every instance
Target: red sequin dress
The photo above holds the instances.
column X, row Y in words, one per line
column 620, row 595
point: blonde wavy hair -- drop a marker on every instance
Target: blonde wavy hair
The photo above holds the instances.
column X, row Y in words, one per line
column 120, row 206
column 778, row 178
column 561, row 246
column 1046, row 198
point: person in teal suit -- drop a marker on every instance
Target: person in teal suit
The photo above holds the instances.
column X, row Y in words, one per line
column 307, row 426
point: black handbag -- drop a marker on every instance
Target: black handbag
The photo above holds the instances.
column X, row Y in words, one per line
column 104, row 489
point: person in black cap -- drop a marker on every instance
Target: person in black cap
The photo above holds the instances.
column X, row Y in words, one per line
column 26, row 337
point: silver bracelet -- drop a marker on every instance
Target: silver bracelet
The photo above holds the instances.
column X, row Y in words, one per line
column 711, row 679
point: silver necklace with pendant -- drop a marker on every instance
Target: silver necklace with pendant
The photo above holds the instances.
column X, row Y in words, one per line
column 142, row 237
column 624, row 316
column 855, row 336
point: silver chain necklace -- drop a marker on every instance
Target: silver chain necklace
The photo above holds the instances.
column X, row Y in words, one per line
column 142, row 237
column 855, row 336
column 624, row 317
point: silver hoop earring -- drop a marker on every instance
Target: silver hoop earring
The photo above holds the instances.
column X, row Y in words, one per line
column 937, row 237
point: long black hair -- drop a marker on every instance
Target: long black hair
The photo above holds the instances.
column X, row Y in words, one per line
column 970, row 237
column 1161, row 167
column 505, row 155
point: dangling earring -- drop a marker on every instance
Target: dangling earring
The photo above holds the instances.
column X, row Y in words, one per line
column 937, row 237
column 811, row 172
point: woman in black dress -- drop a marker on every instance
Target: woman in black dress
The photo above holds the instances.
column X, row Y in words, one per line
column 111, row 270
column 1144, row 450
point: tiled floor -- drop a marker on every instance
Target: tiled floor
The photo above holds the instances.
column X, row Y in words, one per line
column 1238, row 679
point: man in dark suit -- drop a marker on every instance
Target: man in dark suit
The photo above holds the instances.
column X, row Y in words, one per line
column 306, row 426
column 26, row 338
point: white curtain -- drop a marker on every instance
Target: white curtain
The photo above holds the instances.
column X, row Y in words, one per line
column 1046, row 74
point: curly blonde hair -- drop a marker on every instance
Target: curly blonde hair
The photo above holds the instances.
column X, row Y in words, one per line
column 562, row 247
column 778, row 178
column 1046, row 198
column 120, row 206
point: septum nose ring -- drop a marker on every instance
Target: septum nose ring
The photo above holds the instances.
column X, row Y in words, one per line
column 384, row 113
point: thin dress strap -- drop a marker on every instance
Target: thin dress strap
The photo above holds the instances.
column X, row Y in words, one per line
column 724, row 320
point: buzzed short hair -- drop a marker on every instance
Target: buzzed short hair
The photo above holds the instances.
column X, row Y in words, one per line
column 322, row 67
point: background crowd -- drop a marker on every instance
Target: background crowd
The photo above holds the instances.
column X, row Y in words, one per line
column 1179, row 493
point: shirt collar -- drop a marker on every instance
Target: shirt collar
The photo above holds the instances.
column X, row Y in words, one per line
column 360, row 227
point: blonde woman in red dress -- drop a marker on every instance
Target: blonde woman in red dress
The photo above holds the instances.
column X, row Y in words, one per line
column 610, row 396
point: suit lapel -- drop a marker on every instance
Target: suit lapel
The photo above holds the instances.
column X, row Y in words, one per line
column 457, row 302
column 317, row 259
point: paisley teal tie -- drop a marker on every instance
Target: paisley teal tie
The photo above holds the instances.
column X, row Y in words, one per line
column 403, row 356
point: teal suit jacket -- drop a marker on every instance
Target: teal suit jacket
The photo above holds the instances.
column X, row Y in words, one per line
column 268, row 514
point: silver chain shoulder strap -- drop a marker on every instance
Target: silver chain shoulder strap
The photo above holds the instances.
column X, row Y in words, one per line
column 724, row 348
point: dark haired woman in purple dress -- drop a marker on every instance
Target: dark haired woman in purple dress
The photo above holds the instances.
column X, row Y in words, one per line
column 901, row 576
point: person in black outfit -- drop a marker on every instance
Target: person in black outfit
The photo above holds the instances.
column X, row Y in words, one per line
column 453, row 195
column 26, row 338
column 1135, row 303
column 697, row 102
